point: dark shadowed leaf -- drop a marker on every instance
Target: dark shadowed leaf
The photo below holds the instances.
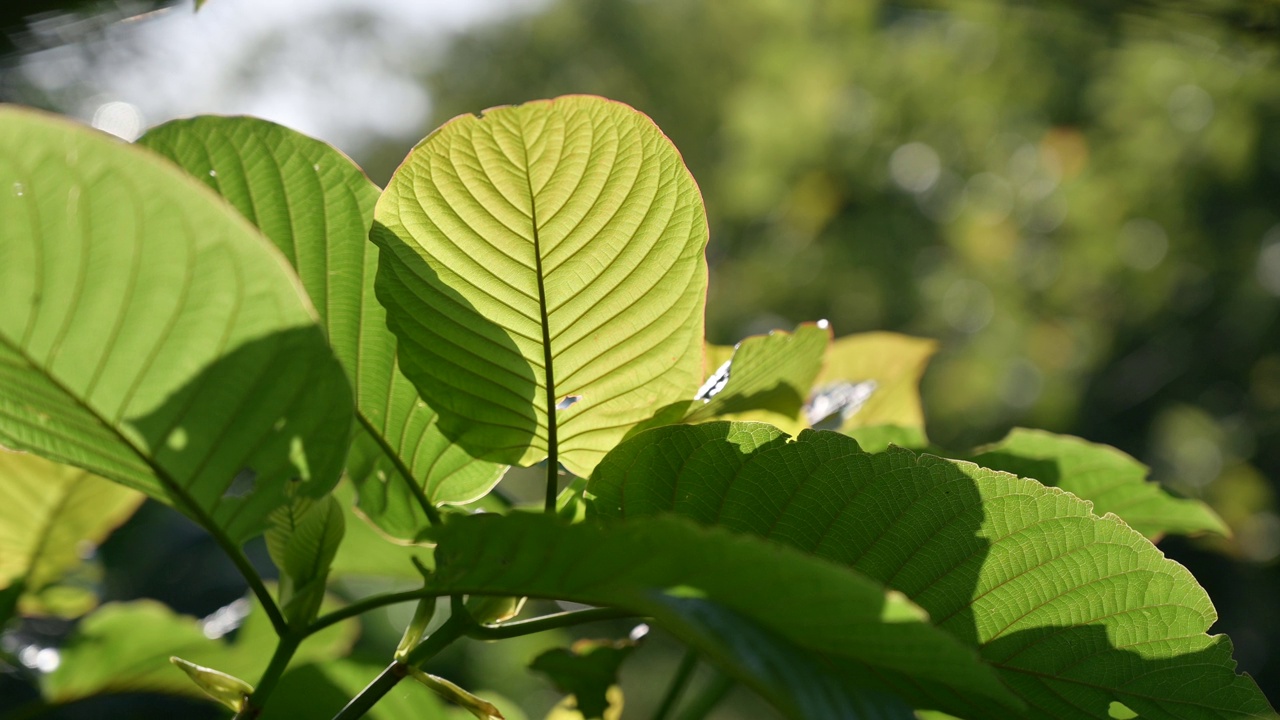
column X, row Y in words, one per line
column 1074, row 611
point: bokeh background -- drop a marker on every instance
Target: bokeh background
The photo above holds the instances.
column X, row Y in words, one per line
column 1080, row 200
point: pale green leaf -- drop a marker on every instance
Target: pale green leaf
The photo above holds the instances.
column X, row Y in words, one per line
column 769, row 379
column 1073, row 610
column 317, row 207
column 1113, row 481
column 302, row 541
column 543, row 255
column 125, row 648
column 51, row 514
column 712, row 589
column 894, row 363
column 153, row 337
column 226, row 689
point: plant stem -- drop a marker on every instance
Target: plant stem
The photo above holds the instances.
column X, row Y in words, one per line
column 453, row 628
column 364, row 605
column 544, row 623
column 285, row 648
column 252, row 577
column 406, row 474
column 711, row 695
column 678, row 684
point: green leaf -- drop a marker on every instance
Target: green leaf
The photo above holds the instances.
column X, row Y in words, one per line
column 303, row 541
column 320, row 690
column 1073, row 610
column 226, row 689
column 1113, row 481
column 541, row 255
column 151, row 336
column 894, row 363
column 50, row 514
column 317, row 207
column 769, row 379
column 792, row 605
column 367, row 552
column 125, row 648
column 478, row 707
column 586, row 671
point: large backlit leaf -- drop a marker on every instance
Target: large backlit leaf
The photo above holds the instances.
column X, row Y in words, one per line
column 741, row 601
column 50, row 515
column 894, row 363
column 153, row 337
column 317, row 207
column 768, row 379
column 1075, row 611
column 1113, row 481
column 541, row 255
column 125, row 648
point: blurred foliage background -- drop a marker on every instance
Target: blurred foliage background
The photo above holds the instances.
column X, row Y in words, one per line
column 1078, row 199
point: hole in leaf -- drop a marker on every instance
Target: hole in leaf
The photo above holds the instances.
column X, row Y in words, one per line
column 715, row 383
column 568, row 402
column 832, row 405
column 242, row 484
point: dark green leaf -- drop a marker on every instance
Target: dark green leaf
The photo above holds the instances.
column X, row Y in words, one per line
column 1074, row 611
column 586, row 671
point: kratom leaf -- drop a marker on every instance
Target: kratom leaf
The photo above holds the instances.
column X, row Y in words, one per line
column 1073, row 610
column 48, row 516
column 320, row 690
column 894, row 363
column 791, row 604
column 302, row 541
column 153, row 337
column 366, row 551
column 1113, row 481
column 542, row 268
column 478, row 707
column 125, row 648
column 588, row 671
column 317, row 207
column 769, row 379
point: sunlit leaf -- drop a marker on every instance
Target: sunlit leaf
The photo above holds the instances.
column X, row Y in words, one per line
column 125, row 648
column 769, row 379
column 1073, row 610
column 317, row 207
column 894, row 363
column 745, row 603
column 543, row 271
column 1113, row 481
column 153, row 337
column 51, row 514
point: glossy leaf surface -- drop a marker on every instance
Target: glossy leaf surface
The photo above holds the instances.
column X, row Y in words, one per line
column 49, row 515
column 1073, row 610
column 712, row 589
column 317, row 207
column 153, row 337
column 543, row 271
